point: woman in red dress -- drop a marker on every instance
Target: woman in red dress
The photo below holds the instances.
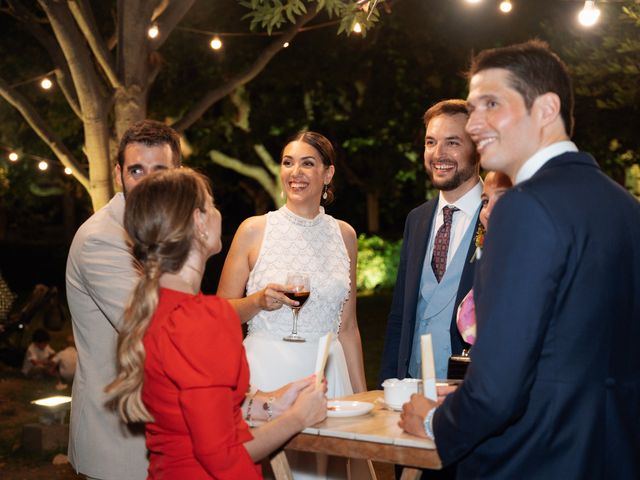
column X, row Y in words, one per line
column 182, row 367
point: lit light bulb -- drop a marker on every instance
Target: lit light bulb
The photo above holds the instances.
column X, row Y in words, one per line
column 46, row 84
column 357, row 28
column 506, row 6
column 43, row 165
column 13, row 156
column 589, row 14
column 285, row 44
column 473, row 1
column 68, row 171
column 153, row 31
column 216, row 43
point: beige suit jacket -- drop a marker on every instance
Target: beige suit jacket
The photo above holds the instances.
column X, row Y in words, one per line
column 100, row 277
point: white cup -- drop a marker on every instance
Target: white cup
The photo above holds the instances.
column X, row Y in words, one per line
column 397, row 392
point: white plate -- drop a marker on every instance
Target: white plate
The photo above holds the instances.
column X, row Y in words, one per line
column 338, row 408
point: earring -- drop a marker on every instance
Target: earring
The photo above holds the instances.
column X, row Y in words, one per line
column 324, row 191
column 204, row 236
column 281, row 194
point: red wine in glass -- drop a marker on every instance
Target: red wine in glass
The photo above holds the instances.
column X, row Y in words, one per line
column 300, row 297
column 301, row 290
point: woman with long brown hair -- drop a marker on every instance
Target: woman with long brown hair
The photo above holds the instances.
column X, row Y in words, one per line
column 182, row 367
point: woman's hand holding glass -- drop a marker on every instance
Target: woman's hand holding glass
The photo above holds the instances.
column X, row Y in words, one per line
column 273, row 296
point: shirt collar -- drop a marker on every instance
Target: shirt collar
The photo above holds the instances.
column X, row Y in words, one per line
column 468, row 203
column 538, row 159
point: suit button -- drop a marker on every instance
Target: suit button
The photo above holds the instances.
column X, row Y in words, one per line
column 610, row 382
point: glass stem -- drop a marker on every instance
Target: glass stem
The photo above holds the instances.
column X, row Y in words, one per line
column 295, row 320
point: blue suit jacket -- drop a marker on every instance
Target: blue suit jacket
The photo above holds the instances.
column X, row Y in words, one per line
column 402, row 317
column 554, row 387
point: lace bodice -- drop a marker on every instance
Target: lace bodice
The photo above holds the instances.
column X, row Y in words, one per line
column 295, row 244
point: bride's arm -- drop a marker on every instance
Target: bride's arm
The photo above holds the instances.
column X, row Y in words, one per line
column 349, row 335
column 237, row 267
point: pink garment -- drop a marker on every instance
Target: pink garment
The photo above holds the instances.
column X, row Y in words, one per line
column 466, row 318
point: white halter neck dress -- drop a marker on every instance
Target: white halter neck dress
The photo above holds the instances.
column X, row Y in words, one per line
column 315, row 247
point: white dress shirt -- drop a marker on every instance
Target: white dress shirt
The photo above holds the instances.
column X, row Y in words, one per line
column 538, row 159
column 468, row 206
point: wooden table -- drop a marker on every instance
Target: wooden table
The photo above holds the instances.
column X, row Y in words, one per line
column 374, row 436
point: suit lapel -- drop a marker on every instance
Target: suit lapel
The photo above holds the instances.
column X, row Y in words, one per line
column 418, row 244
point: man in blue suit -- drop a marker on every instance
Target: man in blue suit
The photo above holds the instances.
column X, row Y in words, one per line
column 554, row 387
column 426, row 295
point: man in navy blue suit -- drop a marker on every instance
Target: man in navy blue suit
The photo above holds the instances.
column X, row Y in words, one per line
column 554, row 387
column 425, row 298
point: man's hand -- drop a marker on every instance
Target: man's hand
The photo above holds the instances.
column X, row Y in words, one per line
column 444, row 390
column 413, row 414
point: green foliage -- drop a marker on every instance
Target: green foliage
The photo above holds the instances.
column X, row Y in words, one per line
column 270, row 14
column 378, row 261
column 632, row 180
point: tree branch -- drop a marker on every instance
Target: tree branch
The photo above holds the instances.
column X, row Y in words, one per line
column 85, row 77
column 259, row 174
column 37, row 123
column 173, row 12
column 63, row 76
column 243, row 76
column 92, row 96
column 87, row 23
column 267, row 159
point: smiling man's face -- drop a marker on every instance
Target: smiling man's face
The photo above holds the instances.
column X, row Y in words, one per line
column 505, row 131
column 449, row 154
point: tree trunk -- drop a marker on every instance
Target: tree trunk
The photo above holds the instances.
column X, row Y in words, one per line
column 373, row 212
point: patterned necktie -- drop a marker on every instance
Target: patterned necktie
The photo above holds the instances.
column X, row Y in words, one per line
column 441, row 244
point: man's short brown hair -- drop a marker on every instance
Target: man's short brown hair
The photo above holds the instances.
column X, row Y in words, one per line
column 151, row 133
column 533, row 70
column 445, row 107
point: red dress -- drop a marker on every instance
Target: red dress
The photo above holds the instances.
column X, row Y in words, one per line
column 195, row 380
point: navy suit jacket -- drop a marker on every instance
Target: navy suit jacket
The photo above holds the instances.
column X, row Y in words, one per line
column 553, row 390
column 402, row 317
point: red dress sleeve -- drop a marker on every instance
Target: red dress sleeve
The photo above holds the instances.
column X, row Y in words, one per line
column 206, row 361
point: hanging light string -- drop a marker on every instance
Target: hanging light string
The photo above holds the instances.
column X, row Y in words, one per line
column 15, row 155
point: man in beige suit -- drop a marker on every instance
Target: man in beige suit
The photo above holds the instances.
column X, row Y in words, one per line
column 100, row 276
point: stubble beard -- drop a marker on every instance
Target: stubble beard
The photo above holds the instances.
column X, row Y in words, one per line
column 459, row 177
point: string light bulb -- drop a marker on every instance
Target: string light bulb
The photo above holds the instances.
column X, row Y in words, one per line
column 473, row 1
column 43, row 165
column 285, row 45
column 13, row 156
column 216, row 43
column 67, row 171
column 589, row 14
column 153, row 31
column 46, row 84
column 506, row 6
column 357, row 28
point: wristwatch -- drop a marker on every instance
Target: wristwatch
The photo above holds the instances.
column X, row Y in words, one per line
column 428, row 429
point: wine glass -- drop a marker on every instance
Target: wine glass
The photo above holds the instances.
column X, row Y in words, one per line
column 301, row 290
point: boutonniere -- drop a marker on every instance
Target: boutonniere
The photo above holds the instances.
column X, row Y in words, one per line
column 479, row 241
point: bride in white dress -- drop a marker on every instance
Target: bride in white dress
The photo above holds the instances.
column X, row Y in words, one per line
column 298, row 238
